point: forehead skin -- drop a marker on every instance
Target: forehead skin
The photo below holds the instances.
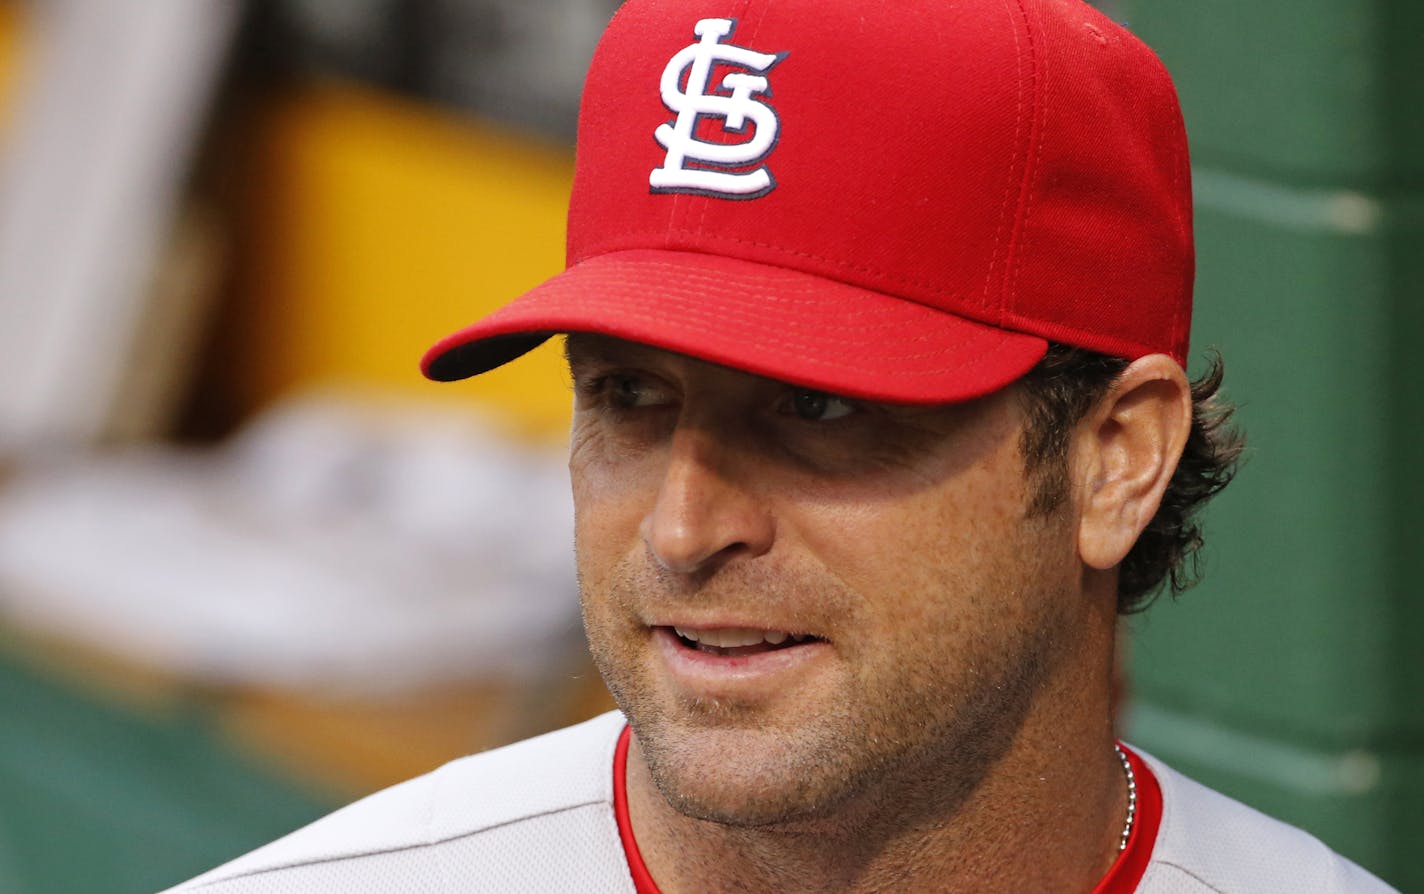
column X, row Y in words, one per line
column 899, row 536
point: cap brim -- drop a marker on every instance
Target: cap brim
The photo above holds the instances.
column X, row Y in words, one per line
column 765, row 320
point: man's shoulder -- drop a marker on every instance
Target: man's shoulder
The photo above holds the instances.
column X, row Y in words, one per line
column 1209, row 843
column 536, row 804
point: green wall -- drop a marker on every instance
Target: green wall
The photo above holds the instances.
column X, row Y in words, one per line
column 1290, row 678
column 97, row 798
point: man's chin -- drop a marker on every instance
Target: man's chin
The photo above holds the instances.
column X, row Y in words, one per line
column 745, row 778
column 753, row 805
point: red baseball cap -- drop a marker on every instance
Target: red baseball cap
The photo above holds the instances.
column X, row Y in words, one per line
column 901, row 202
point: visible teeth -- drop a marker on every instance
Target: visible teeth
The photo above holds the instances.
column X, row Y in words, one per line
column 734, row 637
column 731, row 637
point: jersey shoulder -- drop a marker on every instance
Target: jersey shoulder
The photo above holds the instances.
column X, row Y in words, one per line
column 1209, row 843
column 517, row 818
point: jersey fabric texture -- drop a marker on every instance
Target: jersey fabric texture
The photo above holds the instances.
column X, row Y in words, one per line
column 539, row 817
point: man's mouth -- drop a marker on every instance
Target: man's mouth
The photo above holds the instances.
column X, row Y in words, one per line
column 731, row 641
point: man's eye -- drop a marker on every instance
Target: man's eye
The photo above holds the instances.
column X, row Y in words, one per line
column 818, row 406
column 625, row 391
column 629, row 392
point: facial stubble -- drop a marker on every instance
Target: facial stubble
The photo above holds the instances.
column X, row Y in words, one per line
column 910, row 737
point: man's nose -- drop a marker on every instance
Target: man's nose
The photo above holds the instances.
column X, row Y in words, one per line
column 705, row 513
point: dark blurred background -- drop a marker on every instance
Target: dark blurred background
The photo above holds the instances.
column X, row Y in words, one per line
column 252, row 566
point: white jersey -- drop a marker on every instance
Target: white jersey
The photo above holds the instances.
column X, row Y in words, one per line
column 542, row 817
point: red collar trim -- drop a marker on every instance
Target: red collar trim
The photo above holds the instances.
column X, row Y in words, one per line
column 642, row 879
column 1129, row 867
column 1122, row 877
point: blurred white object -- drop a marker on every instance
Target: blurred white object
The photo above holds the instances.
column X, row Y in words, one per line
column 335, row 545
column 97, row 154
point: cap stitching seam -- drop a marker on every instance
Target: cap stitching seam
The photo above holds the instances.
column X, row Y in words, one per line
column 1020, row 238
column 1108, row 342
column 1008, row 190
column 848, row 265
column 748, row 40
column 1181, row 326
column 768, row 339
column 724, row 313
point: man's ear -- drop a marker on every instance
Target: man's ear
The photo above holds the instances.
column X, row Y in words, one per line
column 1125, row 452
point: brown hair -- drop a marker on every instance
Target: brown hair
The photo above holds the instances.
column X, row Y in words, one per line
column 1059, row 391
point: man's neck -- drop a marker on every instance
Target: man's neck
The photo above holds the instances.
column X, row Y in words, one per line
column 1046, row 816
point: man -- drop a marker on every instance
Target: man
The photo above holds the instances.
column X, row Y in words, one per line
column 878, row 319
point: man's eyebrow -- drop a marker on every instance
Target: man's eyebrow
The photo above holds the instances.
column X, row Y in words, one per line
column 580, row 346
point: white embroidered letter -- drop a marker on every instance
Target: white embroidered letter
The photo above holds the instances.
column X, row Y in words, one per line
column 698, row 166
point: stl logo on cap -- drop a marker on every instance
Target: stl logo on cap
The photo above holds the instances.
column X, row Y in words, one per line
column 697, row 166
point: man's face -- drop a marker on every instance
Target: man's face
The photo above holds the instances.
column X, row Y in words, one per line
column 873, row 612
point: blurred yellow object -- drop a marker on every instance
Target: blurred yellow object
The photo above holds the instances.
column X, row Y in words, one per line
column 12, row 39
column 376, row 227
column 369, row 226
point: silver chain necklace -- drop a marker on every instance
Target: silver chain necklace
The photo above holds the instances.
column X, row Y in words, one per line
column 1131, row 797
